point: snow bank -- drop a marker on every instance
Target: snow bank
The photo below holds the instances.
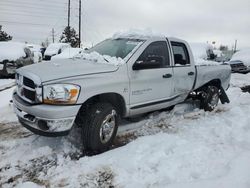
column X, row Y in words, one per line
column 68, row 53
column 137, row 33
column 242, row 55
column 6, row 83
column 98, row 58
column 11, row 51
column 6, row 110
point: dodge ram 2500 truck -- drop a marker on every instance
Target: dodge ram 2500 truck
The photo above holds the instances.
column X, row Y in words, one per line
column 156, row 73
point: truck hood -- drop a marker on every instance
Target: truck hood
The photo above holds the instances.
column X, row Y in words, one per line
column 59, row 69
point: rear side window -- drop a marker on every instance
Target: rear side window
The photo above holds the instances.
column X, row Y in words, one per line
column 181, row 57
column 156, row 51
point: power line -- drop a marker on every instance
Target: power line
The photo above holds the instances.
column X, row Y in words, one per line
column 20, row 5
column 30, row 13
column 33, row 15
column 43, row 3
column 23, row 23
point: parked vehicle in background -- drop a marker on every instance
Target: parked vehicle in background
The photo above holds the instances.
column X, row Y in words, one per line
column 203, row 51
column 13, row 55
column 240, row 61
column 54, row 49
column 119, row 77
column 239, row 67
column 37, row 53
column 68, row 53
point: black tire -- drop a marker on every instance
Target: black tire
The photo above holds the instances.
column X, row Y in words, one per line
column 210, row 98
column 91, row 120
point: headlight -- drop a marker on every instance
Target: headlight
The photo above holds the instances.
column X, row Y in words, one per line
column 60, row 94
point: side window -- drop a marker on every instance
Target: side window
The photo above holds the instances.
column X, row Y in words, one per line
column 156, row 55
column 181, row 56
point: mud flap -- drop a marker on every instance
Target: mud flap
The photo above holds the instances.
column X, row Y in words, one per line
column 223, row 96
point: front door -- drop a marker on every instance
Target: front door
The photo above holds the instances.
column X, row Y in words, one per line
column 152, row 83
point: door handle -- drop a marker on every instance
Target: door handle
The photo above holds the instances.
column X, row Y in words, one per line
column 190, row 73
column 167, row 76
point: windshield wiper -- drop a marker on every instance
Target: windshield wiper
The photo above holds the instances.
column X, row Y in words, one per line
column 105, row 59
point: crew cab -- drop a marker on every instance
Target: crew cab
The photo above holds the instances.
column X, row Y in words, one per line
column 137, row 74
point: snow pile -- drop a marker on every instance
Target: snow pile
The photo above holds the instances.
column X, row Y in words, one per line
column 4, row 83
column 240, row 80
column 11, row 51
column 53, row 48
column 98, row 58
column 242, row 55
column 137, row 34
column 68, row 53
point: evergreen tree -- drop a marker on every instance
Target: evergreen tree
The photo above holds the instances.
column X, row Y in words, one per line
column 69, row 36
column 4, row 36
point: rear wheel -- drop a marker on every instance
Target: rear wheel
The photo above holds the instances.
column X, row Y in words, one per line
column 99, row 127
column 210, row 98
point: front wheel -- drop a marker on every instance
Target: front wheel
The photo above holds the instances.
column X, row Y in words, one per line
column 99, row 127
column 210, row 98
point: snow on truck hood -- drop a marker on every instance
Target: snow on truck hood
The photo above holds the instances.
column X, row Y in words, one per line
column 59, row 69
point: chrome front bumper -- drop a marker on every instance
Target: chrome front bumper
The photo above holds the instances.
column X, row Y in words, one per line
column 45, row 120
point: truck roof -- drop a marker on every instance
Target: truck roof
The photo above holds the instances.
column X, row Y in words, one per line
column 144, row 36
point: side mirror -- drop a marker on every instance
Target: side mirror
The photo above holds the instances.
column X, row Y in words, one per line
column 153, row 62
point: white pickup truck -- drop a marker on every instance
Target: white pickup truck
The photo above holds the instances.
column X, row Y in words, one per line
column 93, row 93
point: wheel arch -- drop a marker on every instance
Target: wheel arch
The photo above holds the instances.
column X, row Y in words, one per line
column 214, row 82
column 115, row 99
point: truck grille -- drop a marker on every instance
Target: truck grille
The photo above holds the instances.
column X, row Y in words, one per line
column 237, row 65
column 26, row 88
column 29, row 83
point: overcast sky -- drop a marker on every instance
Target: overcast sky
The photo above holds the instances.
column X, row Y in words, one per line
column 221, row 21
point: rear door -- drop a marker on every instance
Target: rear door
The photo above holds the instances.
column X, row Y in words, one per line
column 154, row 84
column 184, row 72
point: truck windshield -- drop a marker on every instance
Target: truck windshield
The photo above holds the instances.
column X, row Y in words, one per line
column 115, row 47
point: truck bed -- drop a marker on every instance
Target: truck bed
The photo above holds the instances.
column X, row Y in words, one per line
column 206, row 73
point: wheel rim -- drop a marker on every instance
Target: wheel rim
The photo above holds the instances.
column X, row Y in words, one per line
column 108, row 127
column 214, row 100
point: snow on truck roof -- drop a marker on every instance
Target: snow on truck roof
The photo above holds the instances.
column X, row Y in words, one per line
column 11, row 51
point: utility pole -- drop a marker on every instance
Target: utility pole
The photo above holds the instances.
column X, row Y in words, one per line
column 235, row 46
column 53, row 35
column 69, row 13
column 80, row 21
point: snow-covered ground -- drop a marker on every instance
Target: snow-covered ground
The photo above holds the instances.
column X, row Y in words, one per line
column 185, row 147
